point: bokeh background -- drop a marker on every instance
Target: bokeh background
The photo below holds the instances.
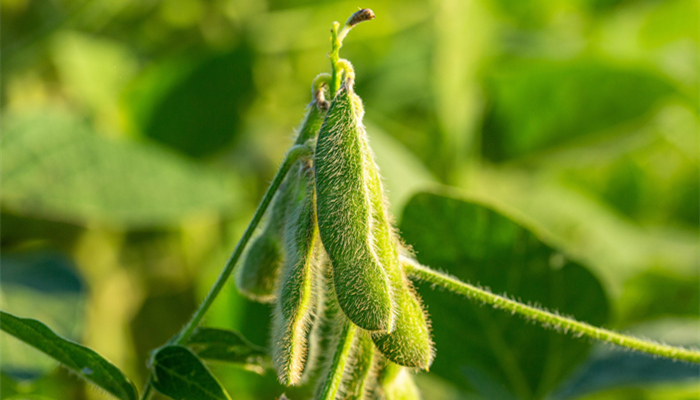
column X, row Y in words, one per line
column 138, row 137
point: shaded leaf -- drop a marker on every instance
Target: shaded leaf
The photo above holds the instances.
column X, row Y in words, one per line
column 196, row 108
column 84, row 362
column 226, row 345
column 615, row 368
column 178, row 373
column 54, row 166
column 475, row 344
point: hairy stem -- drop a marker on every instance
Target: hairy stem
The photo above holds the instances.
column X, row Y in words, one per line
column 548, row 319
column 293, row 154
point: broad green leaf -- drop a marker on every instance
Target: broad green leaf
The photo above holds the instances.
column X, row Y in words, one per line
column 82, row 361
column 178, row 373
column 54, row 166
column 614, row 247
column 623, row 368
column 42, row 285
column 194, row 107
column 226, row 345
column 475, row 344
column 610, row 368
column 538, row 105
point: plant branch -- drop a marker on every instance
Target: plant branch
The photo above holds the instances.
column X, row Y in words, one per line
column 546, row 318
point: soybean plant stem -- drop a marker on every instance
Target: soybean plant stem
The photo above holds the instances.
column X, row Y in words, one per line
column 545, row 318
column 293, row 154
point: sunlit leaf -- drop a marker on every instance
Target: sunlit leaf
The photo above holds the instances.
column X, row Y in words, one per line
column 54, row 166
column 178, row 373
column 82, row 361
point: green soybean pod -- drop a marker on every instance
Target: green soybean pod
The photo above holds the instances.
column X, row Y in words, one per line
column 362, row 380
column 410, row 344
column 257, row 277
column 293, row 313
column 347, row 216
column 325, row 318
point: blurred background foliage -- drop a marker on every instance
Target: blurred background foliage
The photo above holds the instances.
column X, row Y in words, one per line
column 138, row 137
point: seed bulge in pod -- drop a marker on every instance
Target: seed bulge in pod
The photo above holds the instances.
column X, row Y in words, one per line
column 350, row 226
column 410, row 344
column 295, row 305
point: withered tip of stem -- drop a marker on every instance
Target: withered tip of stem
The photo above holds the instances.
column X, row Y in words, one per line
column 364, row 14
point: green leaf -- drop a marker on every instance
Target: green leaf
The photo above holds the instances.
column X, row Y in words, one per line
column 475, row 344
column 84, row 362
column 623, row 368
column 226, row 345
column 178, row 373
column 54, row 166
column 194, row 107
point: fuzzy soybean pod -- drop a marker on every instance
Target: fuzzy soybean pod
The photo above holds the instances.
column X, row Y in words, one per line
column 362, row 380
column 410, row 344
column 352, row 217
column 257, row 276
column 295, row 305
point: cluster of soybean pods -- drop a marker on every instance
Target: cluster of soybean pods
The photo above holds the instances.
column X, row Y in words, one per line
column 345, row 314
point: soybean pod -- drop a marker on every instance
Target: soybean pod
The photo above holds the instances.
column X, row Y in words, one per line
column 258, row 275
column 296, row 297
column 352, row 218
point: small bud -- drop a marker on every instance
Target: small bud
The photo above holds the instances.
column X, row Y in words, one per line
column 364, row 14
